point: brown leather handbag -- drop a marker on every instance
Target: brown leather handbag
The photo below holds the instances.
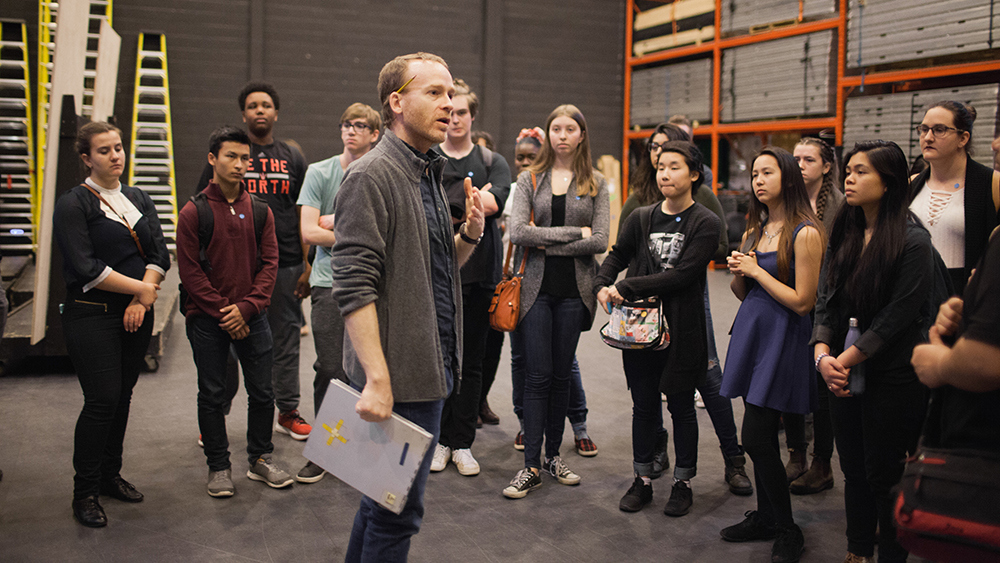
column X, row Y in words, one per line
column 505, row 310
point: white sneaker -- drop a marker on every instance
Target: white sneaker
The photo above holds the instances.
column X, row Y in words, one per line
column 440, row 461
column 698, row 401
column 466, row 464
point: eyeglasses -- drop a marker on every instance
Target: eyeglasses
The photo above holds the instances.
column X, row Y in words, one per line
column 358, row 126
column 939, row 130
column 657, row 146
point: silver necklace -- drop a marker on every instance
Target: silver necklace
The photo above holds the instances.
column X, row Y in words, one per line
column 771, row 237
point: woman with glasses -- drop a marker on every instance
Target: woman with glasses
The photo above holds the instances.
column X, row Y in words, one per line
column 955, row 197
column 643, row 191
column 560, row 217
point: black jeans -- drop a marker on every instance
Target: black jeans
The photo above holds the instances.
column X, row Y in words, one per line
column 458, row 419
column 643, row 370
column 491, row 361
column 211, row 346
column 795, row 425
column 760, row 440
column 107, row 360
column 875, row 433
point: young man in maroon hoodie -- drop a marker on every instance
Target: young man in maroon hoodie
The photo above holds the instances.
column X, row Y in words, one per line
column 228, row 274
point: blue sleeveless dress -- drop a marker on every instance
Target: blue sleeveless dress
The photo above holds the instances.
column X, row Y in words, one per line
column 769, row 358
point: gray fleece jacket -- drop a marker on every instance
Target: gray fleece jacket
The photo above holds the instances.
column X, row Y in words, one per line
column 586, row 211
column 382, row 255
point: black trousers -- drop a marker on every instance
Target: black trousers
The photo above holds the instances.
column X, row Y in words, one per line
column 107, row 360
column 875, row 433
column 795, row 425
column 458, row 419
column 760, row 440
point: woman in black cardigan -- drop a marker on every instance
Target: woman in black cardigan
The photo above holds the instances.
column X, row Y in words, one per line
column 667, row 248
column 952, row 177
column 880, row 270
column 114, row 257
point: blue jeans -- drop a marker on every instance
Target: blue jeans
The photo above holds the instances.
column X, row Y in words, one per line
column 549, row 333
column 284, row 315
column 643, row 371
column 720, row 409
column 379, row 535
column 576, row 411
column 211, row 345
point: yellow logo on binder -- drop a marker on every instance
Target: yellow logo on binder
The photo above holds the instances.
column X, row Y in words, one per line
column 335, row 433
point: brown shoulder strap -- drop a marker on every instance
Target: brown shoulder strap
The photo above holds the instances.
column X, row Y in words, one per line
column 135, row 237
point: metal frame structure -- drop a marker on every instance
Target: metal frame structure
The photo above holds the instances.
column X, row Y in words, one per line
column 716, row 129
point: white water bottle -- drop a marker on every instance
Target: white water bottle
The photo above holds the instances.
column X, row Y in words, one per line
column 856, row 379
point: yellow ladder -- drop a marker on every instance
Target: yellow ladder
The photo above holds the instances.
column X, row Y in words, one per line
column 47, row 24
column 151, row 161
column 17, row 164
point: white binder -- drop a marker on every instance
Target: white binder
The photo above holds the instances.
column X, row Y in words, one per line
column 380, row 459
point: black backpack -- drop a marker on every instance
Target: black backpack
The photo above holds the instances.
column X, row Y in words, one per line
column 206, row 226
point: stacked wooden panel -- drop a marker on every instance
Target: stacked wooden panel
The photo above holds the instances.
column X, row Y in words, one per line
column 682, row 88
column 739, row 16
column 791, row 77
column 680, row 22
column 892, row 117
column 899, row 30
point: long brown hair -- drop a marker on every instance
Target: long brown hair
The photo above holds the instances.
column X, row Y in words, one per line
column 797, row 210
column 586, row 179
column 829, row 178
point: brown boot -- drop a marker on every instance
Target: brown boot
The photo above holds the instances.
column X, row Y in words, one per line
column 487, row 415
column 796, row 465
column 818, row 479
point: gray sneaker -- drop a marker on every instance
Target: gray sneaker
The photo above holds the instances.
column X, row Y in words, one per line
column 266, row 471
column 311, row 473
column 220, row 483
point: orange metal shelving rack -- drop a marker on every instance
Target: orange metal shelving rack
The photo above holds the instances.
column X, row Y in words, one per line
column 716, row 129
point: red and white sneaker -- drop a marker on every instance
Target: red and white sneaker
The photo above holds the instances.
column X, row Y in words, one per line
column 292, row 424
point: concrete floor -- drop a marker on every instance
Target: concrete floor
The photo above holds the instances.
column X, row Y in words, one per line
column 467, row 519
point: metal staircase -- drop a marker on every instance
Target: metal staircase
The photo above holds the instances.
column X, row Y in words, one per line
column 47, row 26
column 17, row 170
column 151, row 161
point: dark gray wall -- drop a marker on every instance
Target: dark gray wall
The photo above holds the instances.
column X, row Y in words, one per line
column 523, row 57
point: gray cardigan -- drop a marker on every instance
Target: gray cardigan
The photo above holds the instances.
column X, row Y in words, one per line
column 586, row 211
column 382, row 255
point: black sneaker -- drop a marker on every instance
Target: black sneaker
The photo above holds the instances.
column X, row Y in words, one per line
column 750, row 529
column 680, row 500
column 524, row 482
column 638, row 496
column 661, row 460
column 789, row 546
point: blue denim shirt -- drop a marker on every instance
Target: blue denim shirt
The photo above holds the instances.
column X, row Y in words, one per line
column 440, row 238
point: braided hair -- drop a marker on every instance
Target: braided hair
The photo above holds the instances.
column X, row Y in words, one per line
column 830, row 177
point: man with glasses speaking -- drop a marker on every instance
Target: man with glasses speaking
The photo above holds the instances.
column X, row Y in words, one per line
column 359, row 129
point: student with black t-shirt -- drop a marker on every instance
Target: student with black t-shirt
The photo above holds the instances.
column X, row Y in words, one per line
column 966, row 374
column 681, row 235
column 275, row 174
column 491, row 176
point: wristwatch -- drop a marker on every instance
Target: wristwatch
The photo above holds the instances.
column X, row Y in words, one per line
column 467, row 238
